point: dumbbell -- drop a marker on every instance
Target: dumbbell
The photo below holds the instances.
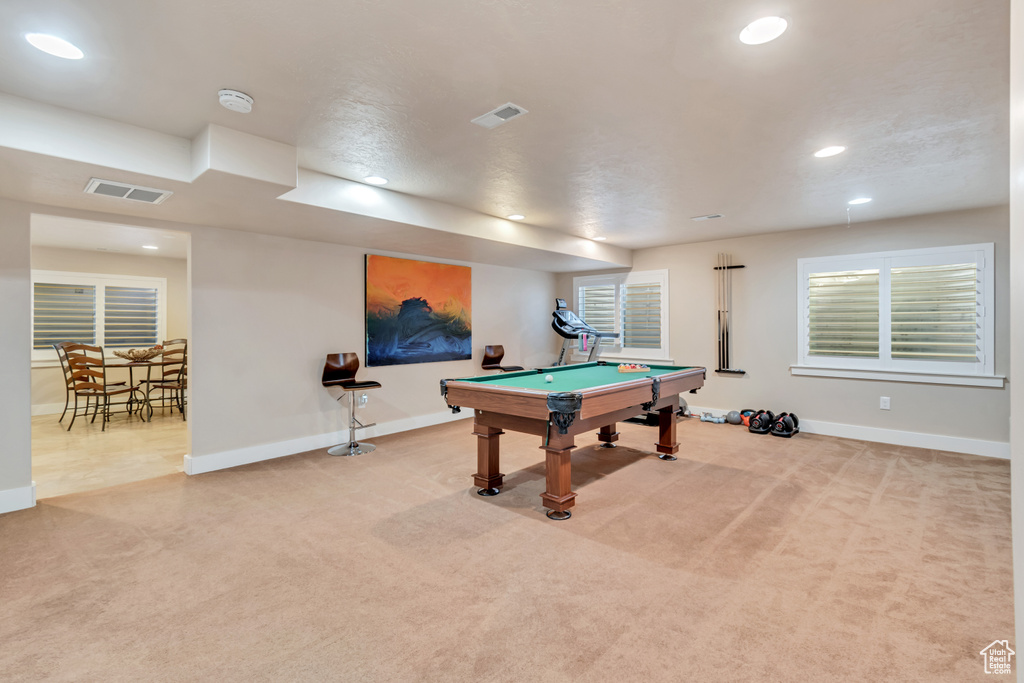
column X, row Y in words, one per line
column 785, row 425
column 761, row 422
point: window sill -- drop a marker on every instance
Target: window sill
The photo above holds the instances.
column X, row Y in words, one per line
column 996, row 381
column 622, row 358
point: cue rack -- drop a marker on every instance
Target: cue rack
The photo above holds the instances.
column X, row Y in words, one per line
column 724, row 297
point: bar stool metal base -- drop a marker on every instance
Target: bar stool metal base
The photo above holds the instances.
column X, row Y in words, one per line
column 354, row 448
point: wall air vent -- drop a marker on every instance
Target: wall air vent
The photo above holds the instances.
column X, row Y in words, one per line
column 135, row 193
column 502, row 114
column 708, row 217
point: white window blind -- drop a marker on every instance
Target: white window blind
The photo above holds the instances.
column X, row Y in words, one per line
column 843, row 313
column 633, row 304
column 935, row 313
column 131, row 316
column 63, row 312
column 598, row 306
column 641, row 315
column 112, row 311
column 921, row 310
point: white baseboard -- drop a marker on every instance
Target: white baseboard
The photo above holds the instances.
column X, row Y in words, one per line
column 269, row 451
column 956, row 444
column 18, row 499
column 47, row 409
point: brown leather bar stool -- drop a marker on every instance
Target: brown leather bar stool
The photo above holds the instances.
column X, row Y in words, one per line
column 492, row 359
column 340, row 371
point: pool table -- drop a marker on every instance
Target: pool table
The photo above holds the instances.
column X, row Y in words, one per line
column 579, row 398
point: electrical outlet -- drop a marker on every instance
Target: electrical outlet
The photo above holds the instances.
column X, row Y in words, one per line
column 883, row 403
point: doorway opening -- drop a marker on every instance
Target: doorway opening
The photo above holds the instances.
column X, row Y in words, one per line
column 123, row 289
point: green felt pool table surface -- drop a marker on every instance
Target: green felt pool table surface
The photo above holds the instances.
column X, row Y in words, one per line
column 572, row 377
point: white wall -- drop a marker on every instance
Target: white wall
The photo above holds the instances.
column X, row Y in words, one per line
column 765, row 328
column 48, row 382
column 16, row 489
column 267, row 310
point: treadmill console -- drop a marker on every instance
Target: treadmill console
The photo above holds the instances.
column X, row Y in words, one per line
column 567, row 324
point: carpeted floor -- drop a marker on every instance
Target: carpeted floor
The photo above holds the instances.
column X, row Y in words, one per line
column 751, row 558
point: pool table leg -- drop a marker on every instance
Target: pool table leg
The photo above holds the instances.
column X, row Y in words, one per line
column 487, row 451
column 667, row 444
column 559, row 498
column 608, row 436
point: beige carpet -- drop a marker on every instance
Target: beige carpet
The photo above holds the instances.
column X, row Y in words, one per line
column 751, row 558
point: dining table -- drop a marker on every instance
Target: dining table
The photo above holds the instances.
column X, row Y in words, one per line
column 148, row 365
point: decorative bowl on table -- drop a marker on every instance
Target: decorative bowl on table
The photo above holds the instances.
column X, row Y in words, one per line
column 138, row 355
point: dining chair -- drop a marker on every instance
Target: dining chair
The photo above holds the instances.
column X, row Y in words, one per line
column 88, row 369
column 69, row 389
column 173, row 380
column 492, row 359
column 340, row 371
column 69, row 385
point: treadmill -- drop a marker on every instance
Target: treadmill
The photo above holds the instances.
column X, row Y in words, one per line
column 571, row 327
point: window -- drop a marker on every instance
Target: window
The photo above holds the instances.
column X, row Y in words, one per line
column 113, row 311
column 917, row 311
column 633, row 304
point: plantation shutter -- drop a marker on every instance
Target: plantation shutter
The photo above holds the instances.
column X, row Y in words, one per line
column 130, row 316
column 598, row 307
column 63, row 312
column 641, row 315
column 935, row 313
column 843, row 315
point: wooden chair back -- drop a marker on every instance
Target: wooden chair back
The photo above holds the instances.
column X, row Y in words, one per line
column 175, row 350
column 340, row 368
column 493, row 354
column 87, row 367
column 62, row 356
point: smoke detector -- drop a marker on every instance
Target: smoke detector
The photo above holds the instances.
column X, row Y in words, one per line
column 235, row 101
column 502, row 114
column 135, row 193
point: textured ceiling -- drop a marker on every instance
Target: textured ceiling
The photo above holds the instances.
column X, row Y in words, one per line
column 643, row 113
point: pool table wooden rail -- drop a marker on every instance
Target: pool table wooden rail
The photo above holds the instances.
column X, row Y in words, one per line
column 634, row 391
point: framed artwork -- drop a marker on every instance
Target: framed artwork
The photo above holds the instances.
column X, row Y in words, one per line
column 416, row 311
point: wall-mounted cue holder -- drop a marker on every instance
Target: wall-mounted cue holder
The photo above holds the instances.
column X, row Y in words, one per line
column 724, row 295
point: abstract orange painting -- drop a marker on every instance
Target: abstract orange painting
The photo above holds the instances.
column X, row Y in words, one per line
column 417, row 311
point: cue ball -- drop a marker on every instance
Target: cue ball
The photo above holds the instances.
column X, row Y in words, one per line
column 549, row 378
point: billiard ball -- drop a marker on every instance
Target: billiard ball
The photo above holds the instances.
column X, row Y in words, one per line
column 549, row 378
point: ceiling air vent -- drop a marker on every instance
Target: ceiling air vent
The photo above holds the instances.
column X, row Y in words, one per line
column 496, row 117
column 135, row 193
column 708, row 217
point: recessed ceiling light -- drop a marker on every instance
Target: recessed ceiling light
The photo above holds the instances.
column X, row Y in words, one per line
column 599, row 239
column 149, row 246
column 859, row 200
column 830, row 151
column 375, row 180
column 516, row 217
column 763, row 30
column 52, row 45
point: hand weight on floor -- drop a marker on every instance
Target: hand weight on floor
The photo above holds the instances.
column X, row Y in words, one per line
column 785, row 425
column 761, row 422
